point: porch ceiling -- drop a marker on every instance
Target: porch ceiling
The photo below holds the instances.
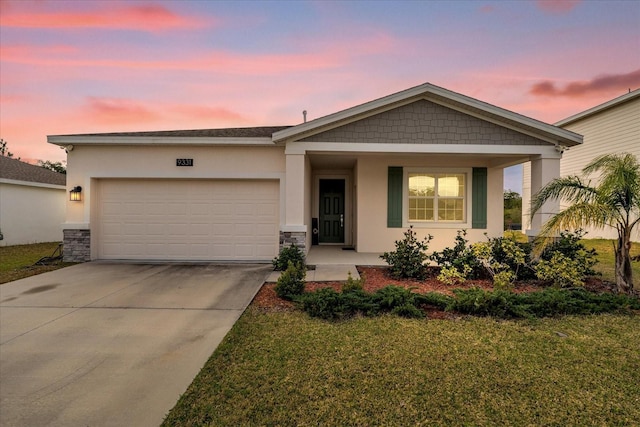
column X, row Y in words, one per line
column 328, row 161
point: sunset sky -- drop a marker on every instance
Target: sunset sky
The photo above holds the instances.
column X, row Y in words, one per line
column 104, row 66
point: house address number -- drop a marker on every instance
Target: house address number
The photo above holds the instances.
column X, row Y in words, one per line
column 184, row 162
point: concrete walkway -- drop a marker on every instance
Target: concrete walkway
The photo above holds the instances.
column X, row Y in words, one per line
column 102, row 344
column 333, row 264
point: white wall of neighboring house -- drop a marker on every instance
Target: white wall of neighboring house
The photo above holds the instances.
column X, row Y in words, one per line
column 31, row 212
column 607, row 130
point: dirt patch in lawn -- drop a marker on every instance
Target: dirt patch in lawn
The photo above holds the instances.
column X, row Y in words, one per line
column 379, row 277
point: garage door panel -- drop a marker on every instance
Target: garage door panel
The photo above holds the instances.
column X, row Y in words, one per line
column 188, row 220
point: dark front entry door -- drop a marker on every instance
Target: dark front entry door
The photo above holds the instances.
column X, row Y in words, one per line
column 331, row 211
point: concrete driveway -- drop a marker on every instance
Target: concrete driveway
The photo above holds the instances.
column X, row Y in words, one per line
column 101, row 344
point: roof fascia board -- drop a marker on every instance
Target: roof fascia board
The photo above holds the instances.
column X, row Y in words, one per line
column 599, row 108
column 32, row 184
column 546, row 151
column 155, row 140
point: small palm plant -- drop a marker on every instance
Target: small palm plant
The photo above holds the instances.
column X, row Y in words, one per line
column 614, row 201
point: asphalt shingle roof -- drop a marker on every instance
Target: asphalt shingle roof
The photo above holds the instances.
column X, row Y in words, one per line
column 20, row 171
column 251, row 132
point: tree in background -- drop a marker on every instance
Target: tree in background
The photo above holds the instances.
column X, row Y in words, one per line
column 4, row 149
column 53, row 166
column 614, row 201
column 512, row 210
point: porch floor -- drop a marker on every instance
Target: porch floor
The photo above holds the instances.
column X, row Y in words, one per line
column 334, row 254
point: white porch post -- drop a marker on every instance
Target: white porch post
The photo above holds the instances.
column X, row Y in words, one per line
column 294, row 229
column 543, row 171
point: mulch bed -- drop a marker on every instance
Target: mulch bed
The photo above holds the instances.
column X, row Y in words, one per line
column 379, row 277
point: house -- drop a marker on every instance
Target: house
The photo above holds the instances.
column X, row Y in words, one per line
column 32, row 203
column 611, row 127
column 426, row 157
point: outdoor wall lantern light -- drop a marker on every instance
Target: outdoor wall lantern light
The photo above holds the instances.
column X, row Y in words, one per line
column 75, row 195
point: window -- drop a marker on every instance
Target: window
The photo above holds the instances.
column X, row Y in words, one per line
column 436, row 197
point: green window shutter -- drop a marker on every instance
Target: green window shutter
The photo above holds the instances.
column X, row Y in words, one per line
column 394, row 198
column 479, row 198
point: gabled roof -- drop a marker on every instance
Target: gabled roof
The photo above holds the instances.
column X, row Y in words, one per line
column 599, row 108
column 447, row 98
column 248, row 132
column 19, row 171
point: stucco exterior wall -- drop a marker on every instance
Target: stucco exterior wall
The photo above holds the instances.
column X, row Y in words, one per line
column 614, row 130
column 372, row 233
column 31, row 212
column 88, row 163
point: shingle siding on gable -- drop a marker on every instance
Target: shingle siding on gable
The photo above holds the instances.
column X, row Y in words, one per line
column 424, row 122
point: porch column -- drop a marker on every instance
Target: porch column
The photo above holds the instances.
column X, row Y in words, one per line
column 543, row 171
column 294, row 230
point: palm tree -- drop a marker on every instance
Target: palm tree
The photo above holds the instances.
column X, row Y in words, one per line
column 614, row 201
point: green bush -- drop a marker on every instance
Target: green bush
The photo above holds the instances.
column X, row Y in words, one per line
column 353, row 284
column 561, row 270
column 569, row 244
column 458, row 259
column 291, row 282
column 435, row 299
column 545, row 303
column 396, row 299
column 329, row 304
column 288, row 254
column 407, row 261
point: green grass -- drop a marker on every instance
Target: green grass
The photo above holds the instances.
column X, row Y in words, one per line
column 606, row 259
column 16, row 262
column 287, row 369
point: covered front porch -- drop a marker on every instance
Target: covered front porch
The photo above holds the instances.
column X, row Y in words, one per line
column 425, row 158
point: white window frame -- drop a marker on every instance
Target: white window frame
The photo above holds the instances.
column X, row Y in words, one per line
column 466, row 223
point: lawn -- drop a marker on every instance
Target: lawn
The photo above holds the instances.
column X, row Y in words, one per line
column 283, row 368
column 606, row 259
column 16, row 262
column 280, row 367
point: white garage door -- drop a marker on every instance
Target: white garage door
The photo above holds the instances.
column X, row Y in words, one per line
column 188, row 220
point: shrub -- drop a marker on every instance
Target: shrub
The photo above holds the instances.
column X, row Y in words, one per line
column 502, row 258
column 329, row 304
column 291, row 282
column 452, row 276
column 435, row 299
column 569, row 244
column 560, row 270
column 353, row 284
column 458, row 259
column 407, row 261
column 288, row 254
column 545, row 303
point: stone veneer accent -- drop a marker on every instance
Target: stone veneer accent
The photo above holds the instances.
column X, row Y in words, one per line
column 424, row 122
column 298, row 238
column 77, row 245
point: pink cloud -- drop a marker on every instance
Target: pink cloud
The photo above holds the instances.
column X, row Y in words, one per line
column 487, row 8
column 601, row 83
column 118, row 111
column 142, row 18
column 557, row 6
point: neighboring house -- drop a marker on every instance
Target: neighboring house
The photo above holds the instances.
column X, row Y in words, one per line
column 612, row 127
column 425, row 157
column 32, row 203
